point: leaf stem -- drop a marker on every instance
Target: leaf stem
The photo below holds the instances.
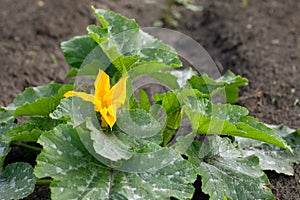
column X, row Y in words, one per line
column 20, row 144
column 99, row 165
column 43, row 181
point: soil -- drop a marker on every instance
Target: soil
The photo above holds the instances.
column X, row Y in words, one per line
column 260, row 41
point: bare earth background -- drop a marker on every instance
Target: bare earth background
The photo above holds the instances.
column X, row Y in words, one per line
column 260, row 41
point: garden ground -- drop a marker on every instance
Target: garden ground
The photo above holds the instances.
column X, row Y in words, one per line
column 259, row 41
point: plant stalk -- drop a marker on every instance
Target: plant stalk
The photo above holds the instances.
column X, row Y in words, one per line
column 43, row 181
column 33, row 148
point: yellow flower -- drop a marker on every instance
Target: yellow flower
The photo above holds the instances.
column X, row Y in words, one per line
column 106, row 100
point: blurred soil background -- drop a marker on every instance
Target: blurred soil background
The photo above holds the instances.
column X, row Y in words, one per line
column 260, row 41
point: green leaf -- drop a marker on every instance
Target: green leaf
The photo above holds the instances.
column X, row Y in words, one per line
column 226, row 86
column 144, row 100
column 72, row 72
column 260, row 132
column 169, row 101
column 138, row 123
column 196, row 110
column 30, row 130
column 4, row 147
column 77, row 49
column 120, row 62
column 150, row 158
column 183, row 75
column 272, row 157
column 64, row 110
column 77, row 174
column 113, row 145
column 16, row 181
column 91, row 69
column 166, row 78
column 40, row 100
column 144, row 157
column 227, row 119
column 74, row 110
column 6, row 127
column 4, row 150
column 226, row 173
column 246, row 128
column 125, row 35
column 44, row 103
column 7, row 116
column 114, row 23
column 146, row 68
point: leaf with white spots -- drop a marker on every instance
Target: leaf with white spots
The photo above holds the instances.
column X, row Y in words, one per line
column 124, row 152
column 16, row 181
column 78, row 175
column 226, row 173
column 113, row 146
column 138, row 123
column 272, row 157
column 226, row 86
column 119, row 36
column 41, row 100
column 74, row 110
column 30, row 130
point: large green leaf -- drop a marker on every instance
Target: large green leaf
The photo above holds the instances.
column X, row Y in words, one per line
column 125, row 153
column 77, row 50
column 111, row 145
column 78, row 175
column 226, row 173
column 125, row 35
column 272, row 157
column 16, row 181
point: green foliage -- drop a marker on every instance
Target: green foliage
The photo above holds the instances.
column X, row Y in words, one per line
column 272, row 157
column 16, row 181
column 30, row 130
column 77, row 49
column 226, row 172
column 226, row 86
column 77, row 174
column 141, row 156
column 40, row 100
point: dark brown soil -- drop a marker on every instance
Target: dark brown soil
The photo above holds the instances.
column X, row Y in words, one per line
column 260, row 41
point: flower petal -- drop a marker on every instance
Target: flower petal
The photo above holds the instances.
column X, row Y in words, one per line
column 109, row 115
column 83, row 95
column 117, row 94
column 102, row 85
